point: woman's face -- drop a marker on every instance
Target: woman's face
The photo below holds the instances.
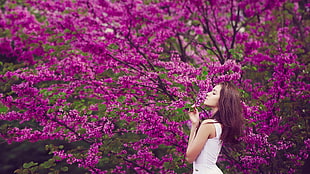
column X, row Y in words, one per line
column 213, row 97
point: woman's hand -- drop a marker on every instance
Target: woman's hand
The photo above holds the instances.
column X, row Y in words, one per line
column 194, row 116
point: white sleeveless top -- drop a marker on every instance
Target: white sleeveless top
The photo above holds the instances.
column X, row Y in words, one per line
column 206, row 160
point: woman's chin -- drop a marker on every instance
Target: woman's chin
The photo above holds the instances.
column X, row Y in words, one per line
column 209, row 105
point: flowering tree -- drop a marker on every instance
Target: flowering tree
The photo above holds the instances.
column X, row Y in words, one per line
column 112, row 79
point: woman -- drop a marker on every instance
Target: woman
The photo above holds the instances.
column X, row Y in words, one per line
column 206, row 137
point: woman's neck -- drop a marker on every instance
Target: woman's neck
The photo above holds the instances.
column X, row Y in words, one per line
column 214, row 110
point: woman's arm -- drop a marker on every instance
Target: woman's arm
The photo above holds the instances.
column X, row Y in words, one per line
column 194, row 118
column 197, row 141
column 194, row 129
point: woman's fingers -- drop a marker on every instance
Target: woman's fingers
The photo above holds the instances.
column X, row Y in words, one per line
column 192, row 110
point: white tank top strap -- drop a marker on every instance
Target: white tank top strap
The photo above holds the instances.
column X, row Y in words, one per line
column 218, row 130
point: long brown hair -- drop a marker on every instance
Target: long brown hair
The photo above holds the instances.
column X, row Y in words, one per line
column 229, row 113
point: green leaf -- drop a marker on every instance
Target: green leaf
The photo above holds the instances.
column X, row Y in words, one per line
column 48, row 164
column 200, row 38
column 195, row 22
column 3, row 109
column 210, row 53
column 57, row 158
column 162, row 76
column 187, row 105
column 205, row 73
column 113, row 46
column 292, row 65
column 168, row 17
column 93, row 119
column 102, row 107
column 181, row 86
column 64, row 169
column 133, row 99
column 121, row 98
column 67, row 30
column 180, row 110
column 28, row 165
column 201, row 77
column 33, row 169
